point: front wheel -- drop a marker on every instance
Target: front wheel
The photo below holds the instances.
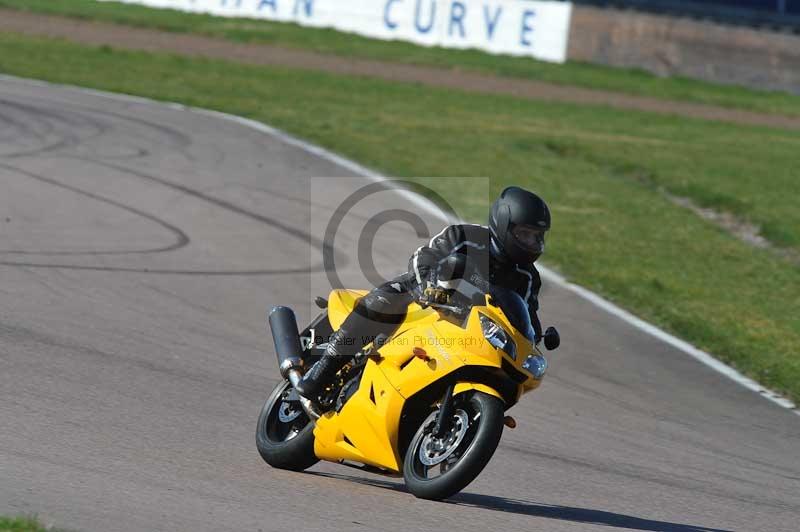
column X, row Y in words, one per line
column 284, row 434
column 436, row 468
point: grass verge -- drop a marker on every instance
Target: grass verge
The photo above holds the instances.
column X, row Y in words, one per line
column 602, row 171
column 20, row 524
column 329, row 41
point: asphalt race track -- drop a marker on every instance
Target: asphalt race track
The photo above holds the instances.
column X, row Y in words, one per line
column 140, row 247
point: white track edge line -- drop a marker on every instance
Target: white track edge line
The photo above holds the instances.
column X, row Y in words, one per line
column 552, row 276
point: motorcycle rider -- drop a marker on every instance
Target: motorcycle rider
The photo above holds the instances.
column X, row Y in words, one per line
column 502, row 254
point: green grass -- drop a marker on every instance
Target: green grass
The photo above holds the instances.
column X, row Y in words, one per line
column 329, row 41
column 20, row 524
column 601, row 170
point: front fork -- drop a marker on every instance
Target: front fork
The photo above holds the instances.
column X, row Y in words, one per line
column 445, row 412
column 445, row 416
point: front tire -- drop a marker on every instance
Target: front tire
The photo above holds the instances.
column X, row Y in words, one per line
column 438, row 468
column 285, row 434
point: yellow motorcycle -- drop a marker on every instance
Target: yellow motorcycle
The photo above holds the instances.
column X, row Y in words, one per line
column 427, row 403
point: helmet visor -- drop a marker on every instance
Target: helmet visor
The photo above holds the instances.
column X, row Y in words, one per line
column 529, row 238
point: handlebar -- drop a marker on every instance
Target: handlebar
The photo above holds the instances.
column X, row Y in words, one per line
column 451, row 308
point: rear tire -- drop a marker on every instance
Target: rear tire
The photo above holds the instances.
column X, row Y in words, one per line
column 469, row 452
column 285, row 434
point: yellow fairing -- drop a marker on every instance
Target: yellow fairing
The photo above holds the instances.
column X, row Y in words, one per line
column 462, row 387
column 366, row 429
column 409, row 374
column 341, row 303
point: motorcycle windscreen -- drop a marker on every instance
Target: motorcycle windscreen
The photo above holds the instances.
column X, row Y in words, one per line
column 516, row 310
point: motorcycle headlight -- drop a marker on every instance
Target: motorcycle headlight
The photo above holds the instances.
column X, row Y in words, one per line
column 536, row 364
column 497, row 336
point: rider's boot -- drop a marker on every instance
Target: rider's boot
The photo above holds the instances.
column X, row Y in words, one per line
column 321, row 373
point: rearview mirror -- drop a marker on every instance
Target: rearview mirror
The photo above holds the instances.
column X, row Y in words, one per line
column 551, row 338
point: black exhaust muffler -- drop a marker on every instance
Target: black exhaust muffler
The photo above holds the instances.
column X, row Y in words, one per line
column 290, row 352
column 287, row 340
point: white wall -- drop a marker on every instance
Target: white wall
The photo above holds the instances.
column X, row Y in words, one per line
column 533, row 28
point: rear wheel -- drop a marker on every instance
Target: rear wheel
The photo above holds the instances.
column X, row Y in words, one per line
column 285, row 434
column 438, row 467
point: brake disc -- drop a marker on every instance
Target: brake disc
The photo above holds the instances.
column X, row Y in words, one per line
column 288, row 413
column 433, row 450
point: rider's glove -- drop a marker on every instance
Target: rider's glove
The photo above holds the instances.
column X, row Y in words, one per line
column 433, row 294
column 430, row 292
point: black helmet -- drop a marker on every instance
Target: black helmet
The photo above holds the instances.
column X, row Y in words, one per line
column 518, row 222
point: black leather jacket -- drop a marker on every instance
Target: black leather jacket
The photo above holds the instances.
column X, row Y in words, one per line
column 474, row 242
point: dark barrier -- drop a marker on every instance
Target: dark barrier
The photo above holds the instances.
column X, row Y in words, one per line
column 674, row 44
column 771, row 6
column 779, row 13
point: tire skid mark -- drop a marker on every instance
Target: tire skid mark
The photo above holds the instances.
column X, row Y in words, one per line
column 32, row 129
column 178, row 140
column 80, row 118
column 291, row 231
column 226, row 205
column 176, row 136
column 66, row 137
column 304, row 202
column 181, row 238
column 159, row 271
column 12, row 125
